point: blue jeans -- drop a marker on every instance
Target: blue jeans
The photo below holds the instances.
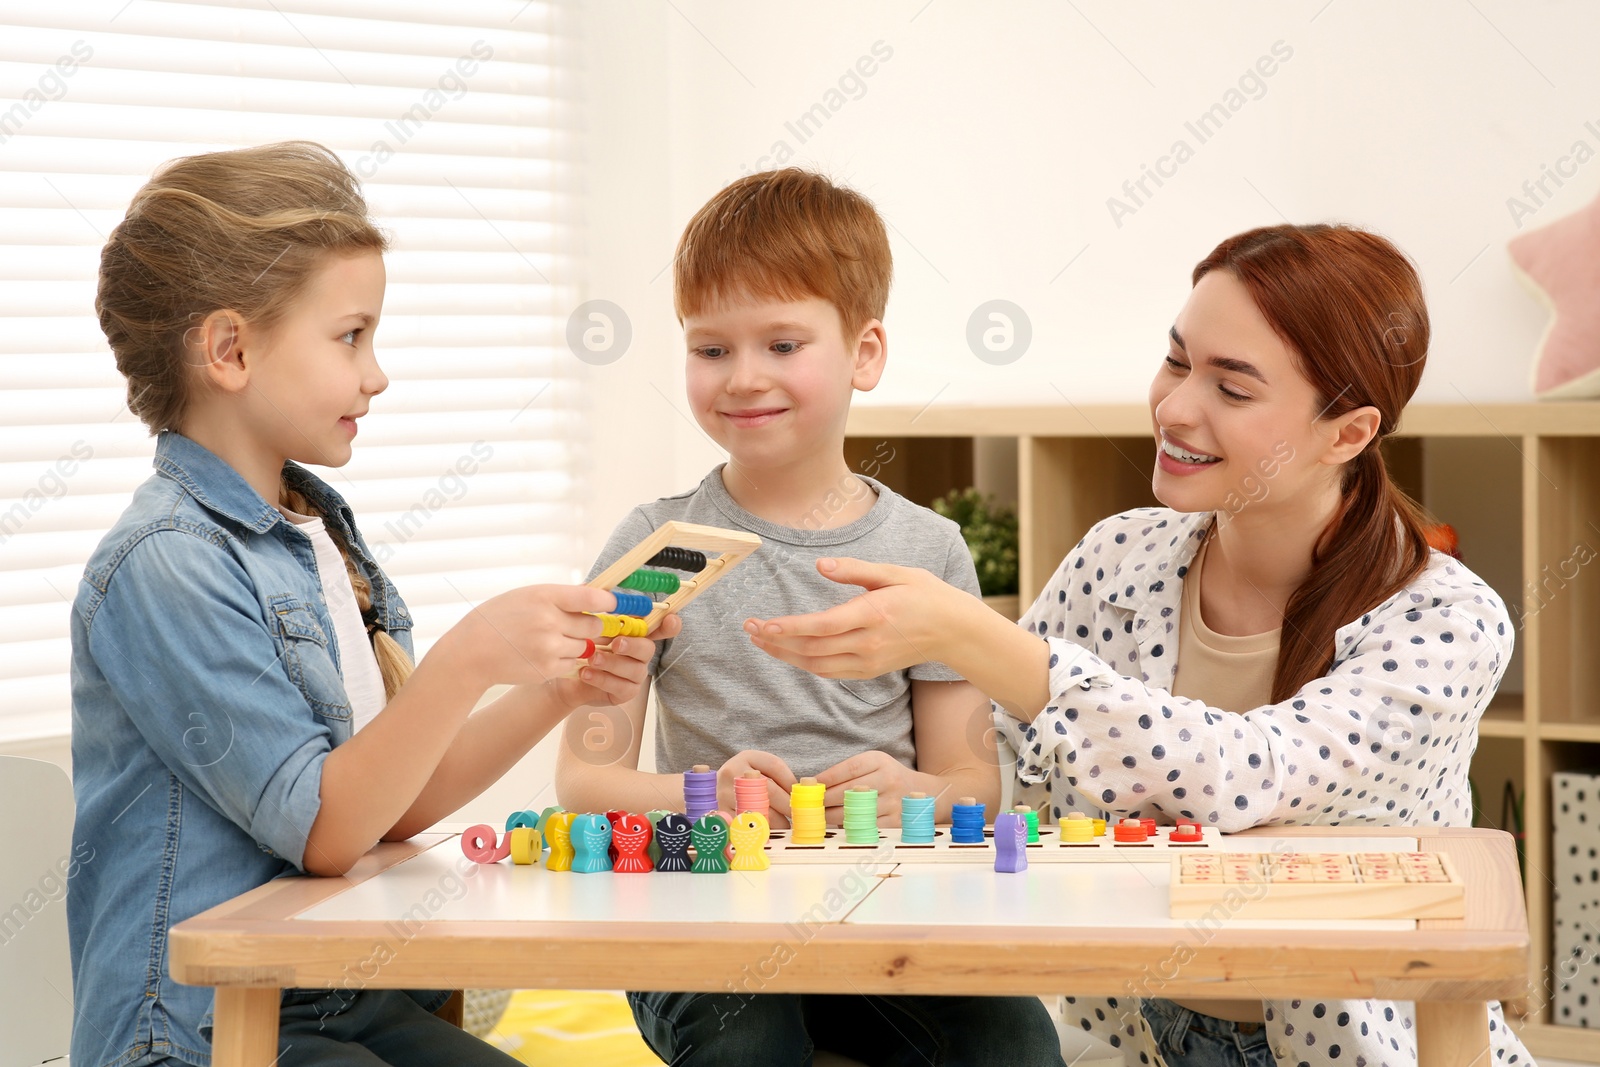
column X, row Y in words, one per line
column 716, row 1029
column 1189, row 1039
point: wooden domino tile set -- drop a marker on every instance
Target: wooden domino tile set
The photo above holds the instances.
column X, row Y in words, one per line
column 1317, row 885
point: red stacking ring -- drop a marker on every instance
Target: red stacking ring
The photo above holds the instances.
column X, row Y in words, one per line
column 1129, row 830
column 588, row 649
column 1186, row 831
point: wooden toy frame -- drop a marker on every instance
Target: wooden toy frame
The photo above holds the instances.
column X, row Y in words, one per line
column 731, row 546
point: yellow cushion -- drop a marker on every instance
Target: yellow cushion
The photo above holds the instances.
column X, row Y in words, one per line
column 556, row 1027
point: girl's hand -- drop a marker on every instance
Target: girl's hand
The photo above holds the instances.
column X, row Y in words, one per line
column 527, row 636
column 870, row 770
column 774, row 772
column 895, row 624
column 614, row 677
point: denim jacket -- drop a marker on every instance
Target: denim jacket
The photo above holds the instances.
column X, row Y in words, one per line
column 206, row 694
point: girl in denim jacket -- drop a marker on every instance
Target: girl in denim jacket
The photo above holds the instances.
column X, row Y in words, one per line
column 244, row 700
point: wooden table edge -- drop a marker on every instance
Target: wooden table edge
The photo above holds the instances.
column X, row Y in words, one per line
column 1440, row 955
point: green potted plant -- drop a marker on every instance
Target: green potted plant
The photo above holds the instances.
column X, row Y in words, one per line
column 990, row 531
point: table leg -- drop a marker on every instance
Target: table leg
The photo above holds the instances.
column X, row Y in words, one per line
column 244, row 1030
column 1452, row 1033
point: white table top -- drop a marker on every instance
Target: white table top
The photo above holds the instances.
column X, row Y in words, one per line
column 443, row 885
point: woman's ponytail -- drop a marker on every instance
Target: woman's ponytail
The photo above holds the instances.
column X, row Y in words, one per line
column 1349, row 305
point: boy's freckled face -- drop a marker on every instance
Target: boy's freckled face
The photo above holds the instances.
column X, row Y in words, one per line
column 770, row 380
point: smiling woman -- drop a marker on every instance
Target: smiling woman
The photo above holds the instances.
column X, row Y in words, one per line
column 1275, row 646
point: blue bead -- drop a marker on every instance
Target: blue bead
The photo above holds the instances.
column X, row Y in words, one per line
column 636, row 604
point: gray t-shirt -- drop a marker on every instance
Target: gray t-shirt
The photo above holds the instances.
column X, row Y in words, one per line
column 720, row 695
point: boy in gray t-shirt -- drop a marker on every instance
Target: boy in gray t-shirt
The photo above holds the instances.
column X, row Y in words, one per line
column 719, row 695
column 780, row 282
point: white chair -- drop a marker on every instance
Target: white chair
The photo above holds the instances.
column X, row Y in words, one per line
column 36, row 811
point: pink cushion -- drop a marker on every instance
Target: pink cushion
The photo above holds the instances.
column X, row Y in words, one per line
column 1561, row 263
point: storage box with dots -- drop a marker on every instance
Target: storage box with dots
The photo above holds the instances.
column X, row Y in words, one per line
column 1575, row 952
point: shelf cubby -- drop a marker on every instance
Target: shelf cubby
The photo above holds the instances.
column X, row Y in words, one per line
column 1520, row 483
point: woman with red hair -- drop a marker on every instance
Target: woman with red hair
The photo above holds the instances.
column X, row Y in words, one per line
column 1276, row 646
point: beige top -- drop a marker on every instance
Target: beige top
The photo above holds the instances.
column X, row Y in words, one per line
column 1232, row 673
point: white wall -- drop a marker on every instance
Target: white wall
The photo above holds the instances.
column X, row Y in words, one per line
column 993, row 136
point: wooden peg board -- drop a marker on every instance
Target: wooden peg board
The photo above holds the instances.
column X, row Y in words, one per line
column 1317, row 885
column 1048, row 849
column 724, row 550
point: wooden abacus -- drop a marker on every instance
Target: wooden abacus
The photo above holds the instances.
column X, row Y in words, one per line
column 677, row 546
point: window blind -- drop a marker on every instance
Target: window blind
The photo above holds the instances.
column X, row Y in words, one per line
column 458, row 120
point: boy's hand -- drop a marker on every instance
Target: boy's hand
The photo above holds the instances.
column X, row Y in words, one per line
column 895, row 624
column 776, row 773
column 871, row 770
column 614, row 677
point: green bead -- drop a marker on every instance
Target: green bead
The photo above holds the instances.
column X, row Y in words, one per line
column 650, row 582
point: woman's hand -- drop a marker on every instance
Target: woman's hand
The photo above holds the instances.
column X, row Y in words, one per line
column 896, row 623
column 870, row 770
column 614, row 677
column 775, row 773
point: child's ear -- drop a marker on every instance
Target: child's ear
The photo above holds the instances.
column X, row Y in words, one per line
column 872, row 351
column 216, row 349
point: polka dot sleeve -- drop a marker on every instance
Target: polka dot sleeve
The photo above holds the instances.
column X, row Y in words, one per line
column 1385, row 737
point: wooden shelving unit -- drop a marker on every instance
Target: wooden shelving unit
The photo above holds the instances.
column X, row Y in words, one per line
column 1519, row 482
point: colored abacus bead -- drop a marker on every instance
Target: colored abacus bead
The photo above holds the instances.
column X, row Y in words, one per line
column 672, row 834
column 631, row 837
column 591, row 843
column 622, row 626
column 650, row 582
column 710, row 837
column 679, row 559
column 1010, row 843
column 749, row 836
column 633, row 604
